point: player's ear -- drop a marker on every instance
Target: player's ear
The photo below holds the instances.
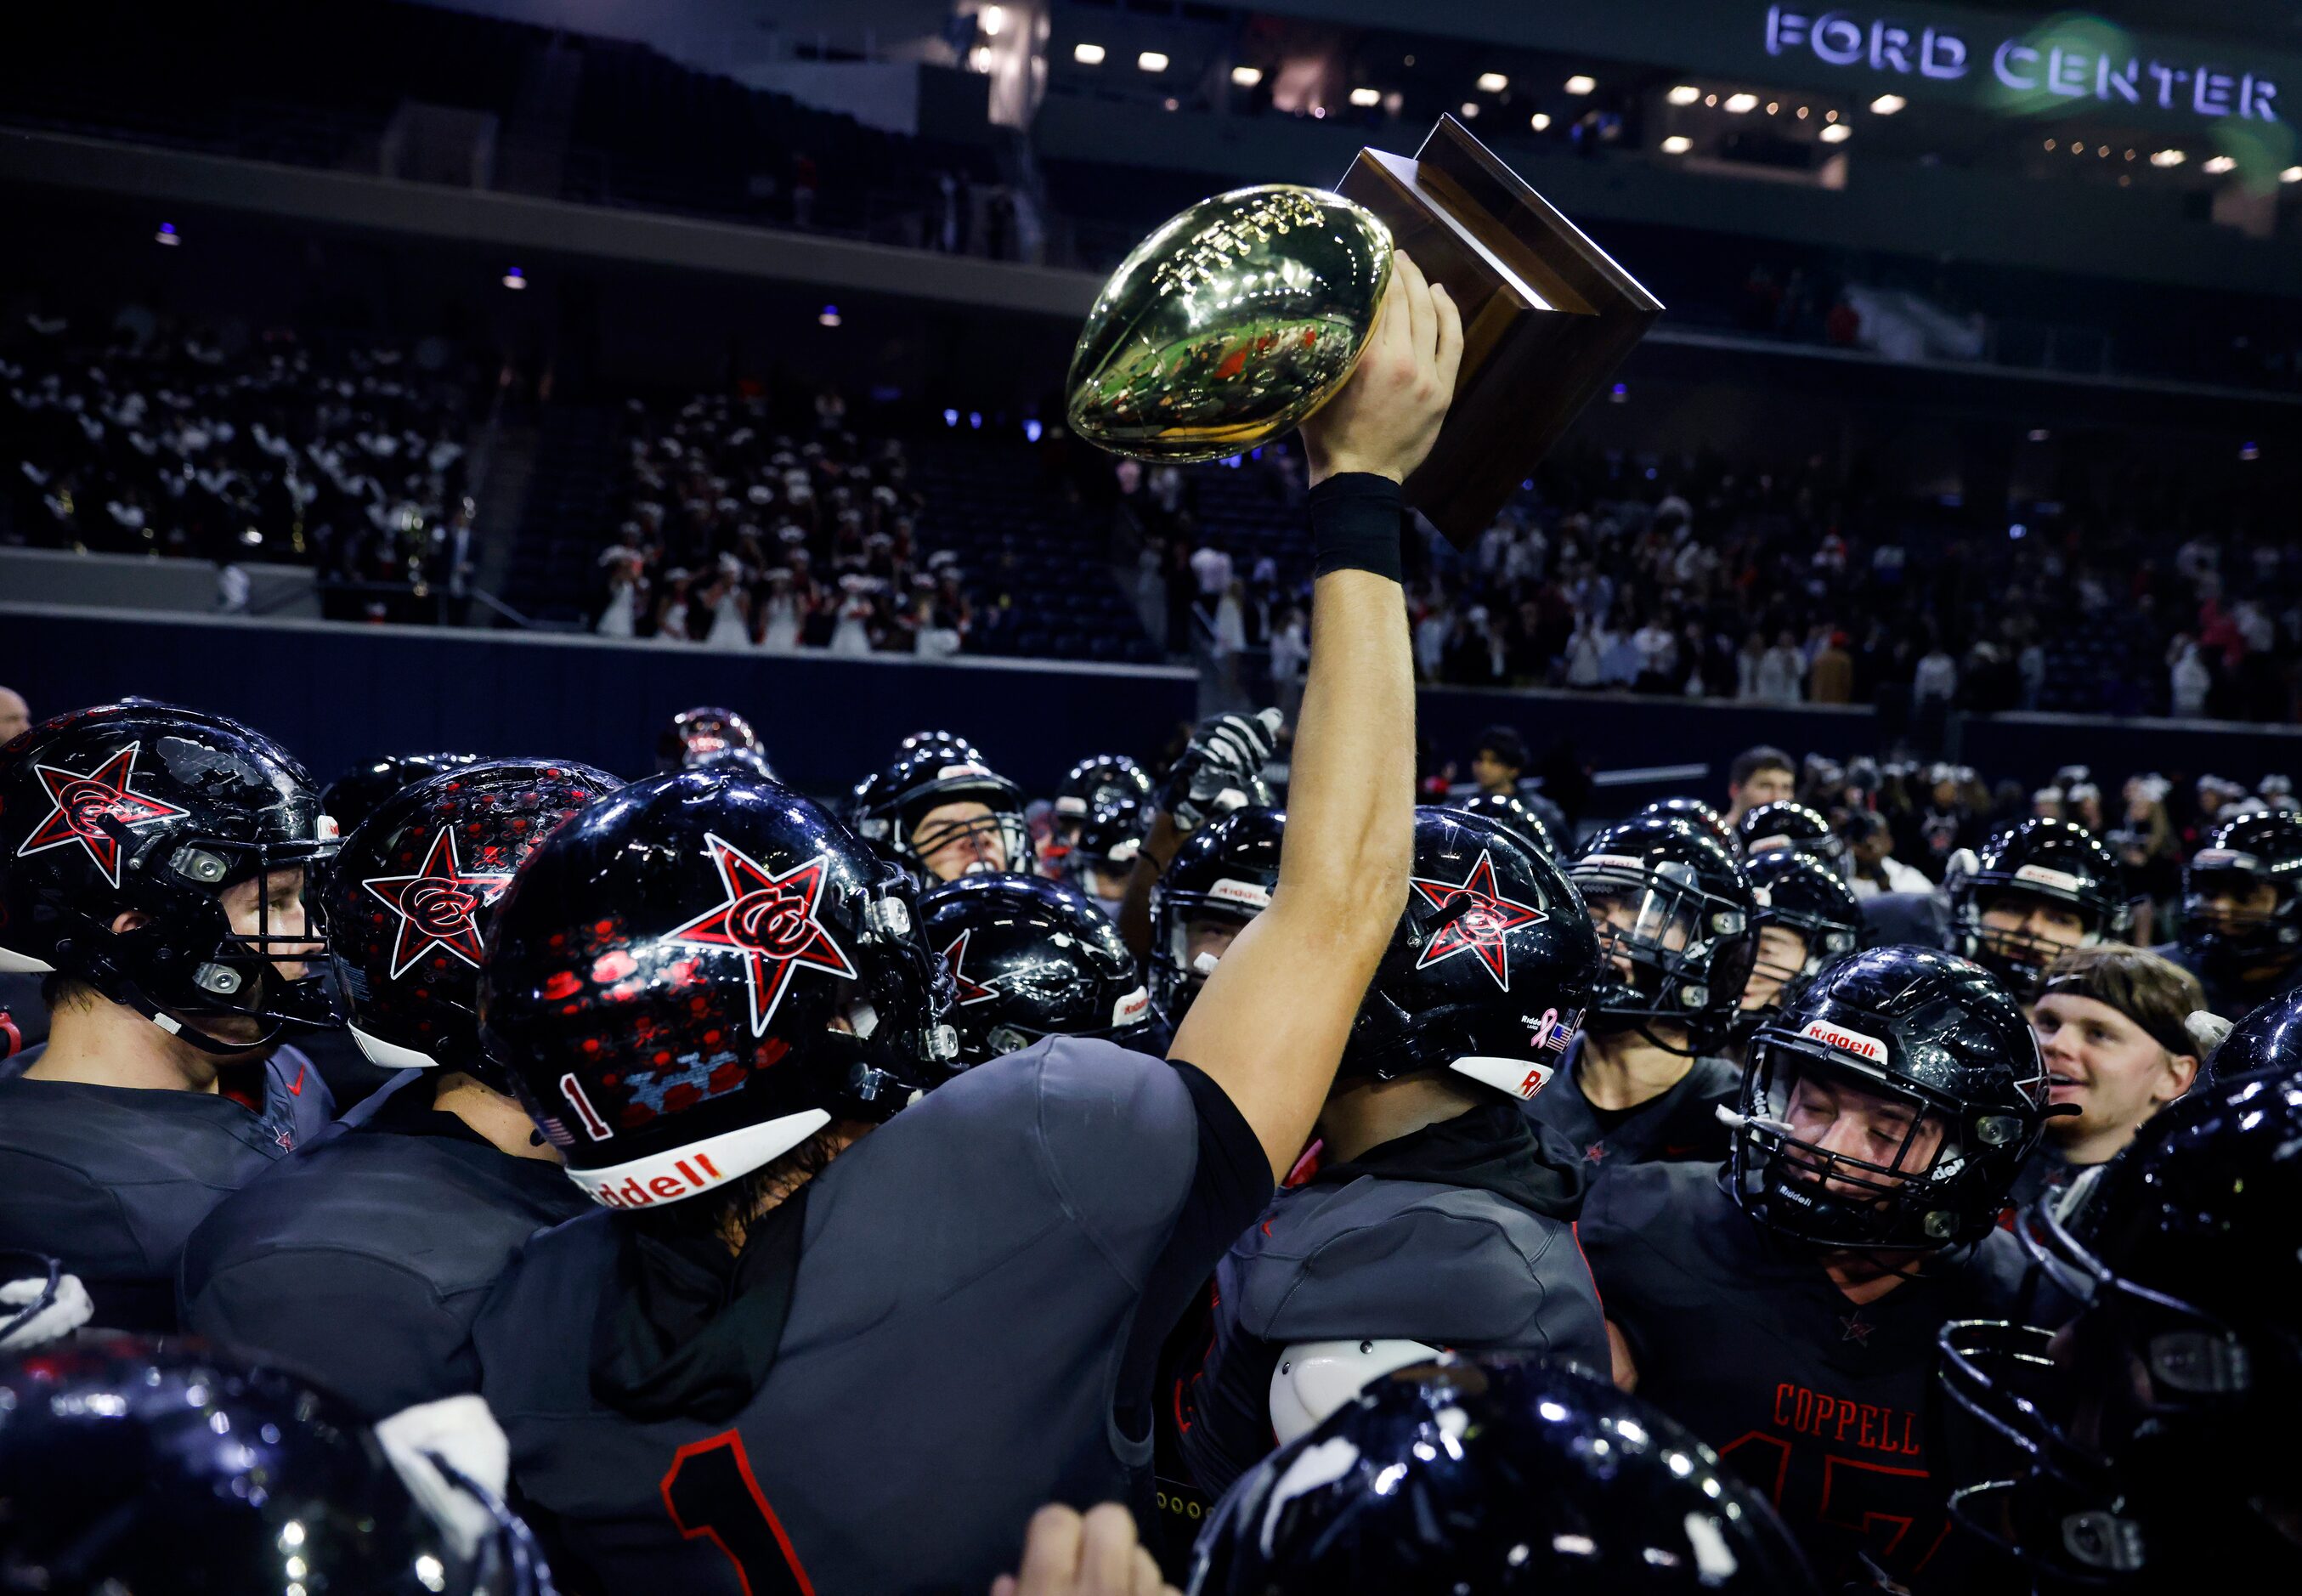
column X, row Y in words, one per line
column 127, row 920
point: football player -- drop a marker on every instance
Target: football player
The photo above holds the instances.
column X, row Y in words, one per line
column 1761, row 774
column 2134, row 1448
column 133, row 1463
column 1030, row 959
column 958, row 1305
column 1099, row 858
column 1098, row 778
column 2113, row 1026
column 1495, row 1474
column 695, row 734
column 1806, row 917
column 1512, row 810
column 944, row 814
column 1693, row 809
column 1784, row 1309
column 1438, row 1216
column 355, row 794
column 2241, row 927
column 1644, row 1079
column 360, row 1262
column 1772, row 827
column 2037, row 889
column 1220, row 771
column 151, row 869
column 1216, row 884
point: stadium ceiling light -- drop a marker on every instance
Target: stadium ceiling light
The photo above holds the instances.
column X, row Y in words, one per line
column 1540, row 122
column 2052, row 146
column 1678, row 144
column 1581, row 83
column 2292, row 174
column 1088, row 54
column 1886, row 105
column 1802, row 113
column 2167, row 157
column 2217, row 165
column 1686, row 94
column 1773, row 106
column 991, row 19
column 1367, row 97
column 1837, row 132
column 1247, row 77
column 1470, row 109
column 1492, row 83
column 829, row 317
column 1740, row 103
column 1151, row 61
column 168, row 235
column 1830, row 116
column 514, row 278
column 1710, row 99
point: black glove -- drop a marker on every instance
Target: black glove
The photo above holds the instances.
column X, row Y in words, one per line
column 1220, row 769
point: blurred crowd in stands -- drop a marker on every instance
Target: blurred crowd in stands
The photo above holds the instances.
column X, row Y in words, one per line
column 735, row 535
column 1701, row 578
column 149, row 437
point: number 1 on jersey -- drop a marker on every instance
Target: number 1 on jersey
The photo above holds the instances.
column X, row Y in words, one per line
column 711, row 1491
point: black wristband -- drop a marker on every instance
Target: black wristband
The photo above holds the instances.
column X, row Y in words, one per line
column 1356, row 520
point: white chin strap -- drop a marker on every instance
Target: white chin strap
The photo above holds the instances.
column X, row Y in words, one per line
column 1315, row 1378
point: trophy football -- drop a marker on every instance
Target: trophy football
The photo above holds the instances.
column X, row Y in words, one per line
column 1247, row 311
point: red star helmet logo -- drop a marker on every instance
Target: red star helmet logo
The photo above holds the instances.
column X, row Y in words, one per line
column 969, row 989
column 438, row 906
column 84, row 802
column 772, row 921
column 1479, row 929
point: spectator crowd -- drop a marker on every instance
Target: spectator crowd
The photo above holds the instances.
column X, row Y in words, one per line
column 150, row 437
column 735, row 535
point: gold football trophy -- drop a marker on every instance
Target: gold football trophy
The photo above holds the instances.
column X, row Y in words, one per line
column 1246, row 313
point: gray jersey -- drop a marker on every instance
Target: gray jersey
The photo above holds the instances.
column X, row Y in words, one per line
column 962, row 1335
column 1395, row 1246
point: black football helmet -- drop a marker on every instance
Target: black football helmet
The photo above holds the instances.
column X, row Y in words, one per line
column 413, row 892
column 1803, row 895
column 1772, row 827
column 1108, row 837
column 1224, row 873
column 356, row 795
column 924, row 780
column 1490, row 968
column 1097, row 779
column 1501, row 1475
column 1514, row 811
column 1935, row 1035
column 142, row 808
column 2129, row 1451
column 703, row 730
column 2267, row 1036
column 2059, row 861
column 1031, row 957
column 1671, row 902
column 2240, row 858
column 663, row 975
column 1691, row 809
column 134, row 1463
column 961, row 749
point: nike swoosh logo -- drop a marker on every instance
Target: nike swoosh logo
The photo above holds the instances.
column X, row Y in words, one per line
column 296, row 1086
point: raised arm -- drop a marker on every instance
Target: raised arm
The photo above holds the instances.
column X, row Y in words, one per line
column 1270, row 1026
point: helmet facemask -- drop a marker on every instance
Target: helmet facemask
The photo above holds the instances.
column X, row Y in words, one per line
column 1888, row 1179
column 1667, row 949
column 187, row 964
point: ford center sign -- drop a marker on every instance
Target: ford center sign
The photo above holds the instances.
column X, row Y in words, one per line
column 2035, row 68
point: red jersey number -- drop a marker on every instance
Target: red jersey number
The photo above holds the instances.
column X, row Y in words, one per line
column 710, row 1492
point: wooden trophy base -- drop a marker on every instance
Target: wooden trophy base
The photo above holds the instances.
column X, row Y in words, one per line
column 1547, row 316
